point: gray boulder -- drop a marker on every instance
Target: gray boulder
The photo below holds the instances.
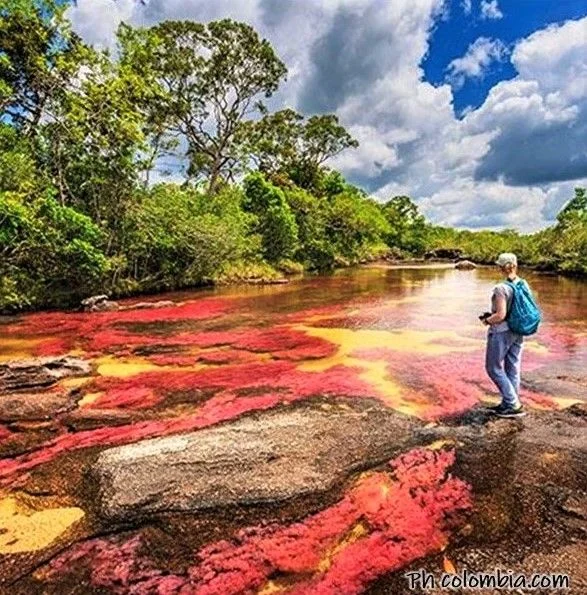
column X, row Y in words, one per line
column 268, row 457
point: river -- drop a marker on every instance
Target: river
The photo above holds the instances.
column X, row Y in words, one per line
column 405, row 342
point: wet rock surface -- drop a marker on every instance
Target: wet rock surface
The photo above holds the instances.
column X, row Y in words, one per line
column 565, row 379
column 39, row 373
column 262, row 458
column 338, row 425
column 465, row 265
column 33, row 406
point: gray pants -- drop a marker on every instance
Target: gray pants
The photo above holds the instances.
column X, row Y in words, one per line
column 503, row 360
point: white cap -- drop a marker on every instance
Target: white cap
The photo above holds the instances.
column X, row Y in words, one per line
column 506, row 258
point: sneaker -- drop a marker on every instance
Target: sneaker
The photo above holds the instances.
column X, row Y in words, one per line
column 510, row 411
column 493, row 408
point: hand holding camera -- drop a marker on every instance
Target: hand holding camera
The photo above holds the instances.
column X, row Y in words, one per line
column 483, row 318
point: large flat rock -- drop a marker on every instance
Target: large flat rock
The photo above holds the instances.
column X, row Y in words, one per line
column 268, row 457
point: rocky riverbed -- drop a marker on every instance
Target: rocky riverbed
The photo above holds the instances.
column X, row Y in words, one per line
column 321, row 437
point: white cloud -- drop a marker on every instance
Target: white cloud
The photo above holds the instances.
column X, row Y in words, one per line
column 513, row 161
column 476, row 61
column 466, row 4
column 490, row 10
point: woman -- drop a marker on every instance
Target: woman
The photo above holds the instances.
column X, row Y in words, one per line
column 504, row 347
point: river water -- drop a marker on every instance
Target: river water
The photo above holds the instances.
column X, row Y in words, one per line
column 407, row 339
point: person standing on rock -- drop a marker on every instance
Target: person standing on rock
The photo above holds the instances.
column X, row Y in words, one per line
column 505, row 337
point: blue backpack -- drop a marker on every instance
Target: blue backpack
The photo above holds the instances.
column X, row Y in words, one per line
column 523, row 317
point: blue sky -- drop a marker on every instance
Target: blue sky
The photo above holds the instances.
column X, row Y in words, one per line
column 454, row 33
column 477, row 109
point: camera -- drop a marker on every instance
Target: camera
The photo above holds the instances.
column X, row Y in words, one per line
column 485, row 315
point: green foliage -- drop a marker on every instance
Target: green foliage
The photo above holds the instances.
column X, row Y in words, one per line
column 354, row 223
column 176, row 237
column 284, row 144
column 275, row 221
column 212, row 78
column 408, row 229
column 245, row 271
column 49, row 253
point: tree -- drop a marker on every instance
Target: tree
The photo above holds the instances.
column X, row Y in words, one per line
column 276, row 222
column 39, row 59
column 575, row 208
column 213, row 77
column 284, row 143
column 407, row 226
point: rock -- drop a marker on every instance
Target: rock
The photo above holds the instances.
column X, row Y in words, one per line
column 149, row 305
column 278, row 281
column 465, row 265
column 270, row 457
column 576, row 505
column 39, row 373
column 444, row 254
column 32, row 406
column 560, row 379
column 99, row 303
column 87, row 418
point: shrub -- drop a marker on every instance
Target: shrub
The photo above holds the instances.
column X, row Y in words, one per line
column 50, row 253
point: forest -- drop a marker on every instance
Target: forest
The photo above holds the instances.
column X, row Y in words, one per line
column 89, row 140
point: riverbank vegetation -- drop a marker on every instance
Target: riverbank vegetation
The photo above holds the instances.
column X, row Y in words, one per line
column 87, row 138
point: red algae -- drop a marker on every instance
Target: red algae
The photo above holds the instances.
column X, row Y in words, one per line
column 403, row 515
column 133, row 398
column 222, row 407
column 98, row 330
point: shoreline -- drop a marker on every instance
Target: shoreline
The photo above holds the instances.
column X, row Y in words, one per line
column 414, row 263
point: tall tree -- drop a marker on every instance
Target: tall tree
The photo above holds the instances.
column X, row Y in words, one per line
column 39, row 58
column 214, row 77
column 285, row 143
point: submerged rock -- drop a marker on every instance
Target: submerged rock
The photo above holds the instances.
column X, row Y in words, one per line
column 560, row 379
column 465, row 265
column 149, row 305
column 39, row 373
column 269, row 457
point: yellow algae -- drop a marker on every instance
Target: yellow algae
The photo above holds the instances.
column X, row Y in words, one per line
column 560, row 402
column 25, row 529
column 403, row 340
column 75, row 382
column 18, row 348
column 438, row 444
column 356, row 533
column 270, row 588
column 564, row 402
column 536, row 347
column 123, row 368
column 89, row 399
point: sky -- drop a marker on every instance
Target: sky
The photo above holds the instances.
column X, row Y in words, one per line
column 477, row 109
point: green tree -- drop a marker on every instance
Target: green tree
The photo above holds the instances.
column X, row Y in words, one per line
column 214, row 77
column 49, row 254
column 408, row 227
column 285, row 143
column 39, row 60
column 275, row 221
